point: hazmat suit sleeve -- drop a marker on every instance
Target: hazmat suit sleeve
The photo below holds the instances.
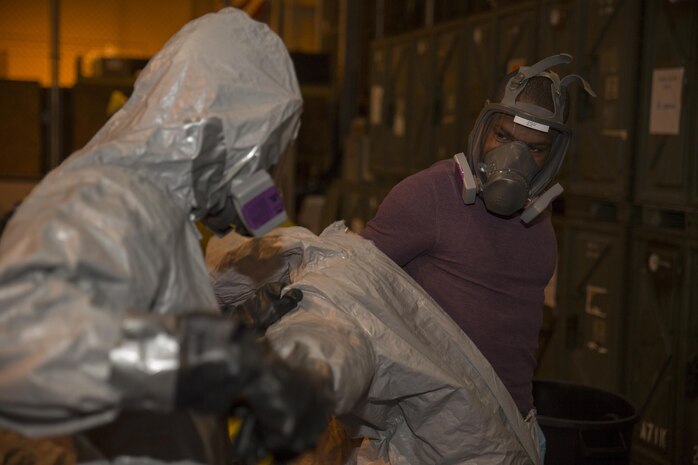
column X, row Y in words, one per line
column 86, row 254
column 101, row 266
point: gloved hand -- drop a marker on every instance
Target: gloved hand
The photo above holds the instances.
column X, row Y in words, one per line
column 290, row 407
column 223, row 364
column 266, row 307
column 217, row 356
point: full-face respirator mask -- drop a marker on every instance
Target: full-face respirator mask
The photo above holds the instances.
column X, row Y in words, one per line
column 517, row 147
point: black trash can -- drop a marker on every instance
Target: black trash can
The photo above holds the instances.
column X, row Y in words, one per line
column 583, row 425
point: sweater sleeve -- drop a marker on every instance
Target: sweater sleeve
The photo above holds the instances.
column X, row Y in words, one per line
column 405, row 225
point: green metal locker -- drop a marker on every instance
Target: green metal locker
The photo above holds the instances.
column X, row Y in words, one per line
column 665, row 149
column 594, row 294
column 420, row 149
column 448, row 76
column 400, row 17
column 552, row 338
column 693, row 102
column 557, row 33
column 607, row 58
column 496, row 43
column 478, row 70
column 315, row 143
column 658, row 268
column 358, row 203
column 393, row 163
column 516, row 39
column 688, row 368
column 377, row 105
column 394, row 102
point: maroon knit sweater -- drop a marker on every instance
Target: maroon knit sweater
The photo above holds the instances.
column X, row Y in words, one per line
column 486, row 272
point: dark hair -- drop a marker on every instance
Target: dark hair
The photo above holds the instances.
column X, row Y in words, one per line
column 537, row 92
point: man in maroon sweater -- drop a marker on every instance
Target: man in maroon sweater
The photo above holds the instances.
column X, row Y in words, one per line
column 483, row 245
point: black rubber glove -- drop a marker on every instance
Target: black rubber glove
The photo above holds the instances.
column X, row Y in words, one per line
column 218, row 356
column 223, row 364
column 290, row 407
column 266, row 307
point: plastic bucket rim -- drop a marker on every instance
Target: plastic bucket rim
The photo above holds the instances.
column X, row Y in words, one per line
column 585, row 424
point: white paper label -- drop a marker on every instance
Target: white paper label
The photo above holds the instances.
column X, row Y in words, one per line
column 665, row 104
column 531, row 124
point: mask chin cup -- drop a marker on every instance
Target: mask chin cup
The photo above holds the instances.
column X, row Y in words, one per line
column 259, row 204
column 465, row 178
column 541, row 203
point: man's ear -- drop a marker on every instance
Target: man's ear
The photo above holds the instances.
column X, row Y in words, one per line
column 487, row 102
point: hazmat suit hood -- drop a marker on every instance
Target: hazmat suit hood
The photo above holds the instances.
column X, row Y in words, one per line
column 218, row 103
column 102, row 257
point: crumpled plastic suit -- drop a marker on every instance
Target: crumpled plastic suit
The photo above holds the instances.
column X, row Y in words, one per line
column 405, row 375
column 103, row 254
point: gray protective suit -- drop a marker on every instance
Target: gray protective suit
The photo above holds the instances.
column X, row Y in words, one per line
column 102, row 256
column 405, row 375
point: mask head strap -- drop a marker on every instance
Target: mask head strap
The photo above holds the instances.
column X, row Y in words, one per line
column 527, row 72
column 558, row 87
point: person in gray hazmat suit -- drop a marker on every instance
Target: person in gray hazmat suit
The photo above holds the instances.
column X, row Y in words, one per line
column 105, row 300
